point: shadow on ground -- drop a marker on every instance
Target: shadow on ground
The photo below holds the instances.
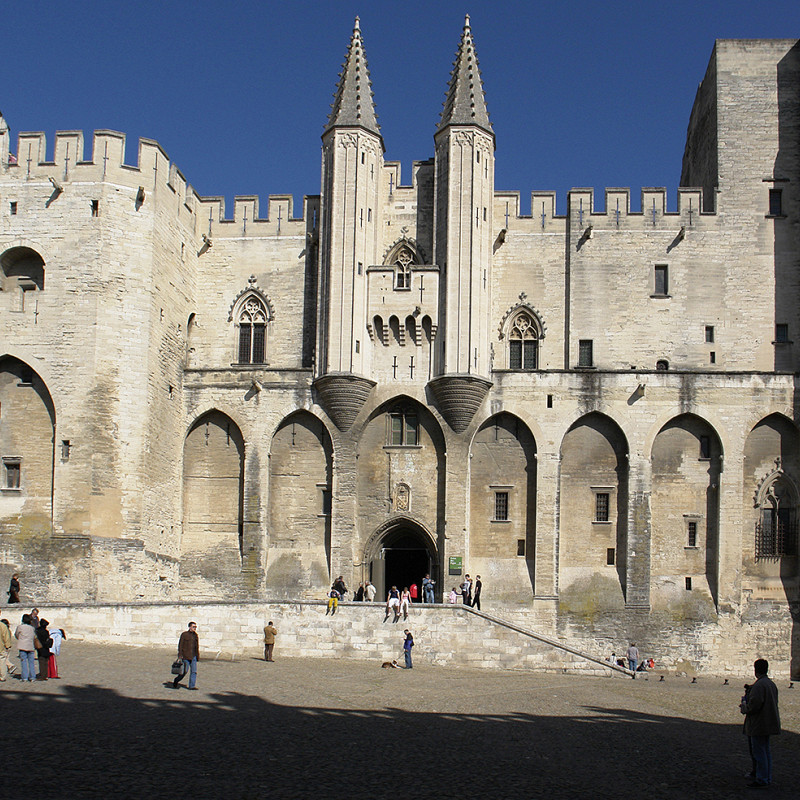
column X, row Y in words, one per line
column 92, row 742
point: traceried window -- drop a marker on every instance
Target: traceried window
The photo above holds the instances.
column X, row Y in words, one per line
column 523, row 343
column 402, row 265
column 776, row 530
column 403, row 428
column 252, row 331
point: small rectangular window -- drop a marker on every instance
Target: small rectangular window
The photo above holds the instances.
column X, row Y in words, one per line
column 585, row 353
column 710, row 333
column 611, row 556
column 13, row 208
column 691, row 534
column 13, row 469
column 775, row 203
column 358, row 346
column 688, row 584
column 326, row 502
column 360, row 267
column 549, row 401
column 520, row 547
column 781, row 332
column 661, row 279
column 601, row 507
column 369, row 215
column 712, row 357
column 705, row 447
column 501, row 506
column 95, row 208
column 65, row 448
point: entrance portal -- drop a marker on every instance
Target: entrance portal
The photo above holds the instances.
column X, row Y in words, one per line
column 404, row 557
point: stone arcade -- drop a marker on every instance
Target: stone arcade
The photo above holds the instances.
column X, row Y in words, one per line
column 596, row 412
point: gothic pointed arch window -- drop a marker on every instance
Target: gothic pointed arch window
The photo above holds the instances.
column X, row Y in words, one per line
column 523, row 342
column 402, row 271
column 251, row 321
column 776, row 529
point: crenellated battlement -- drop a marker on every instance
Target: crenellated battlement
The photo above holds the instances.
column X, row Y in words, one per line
column 617, row 212
column 154, row 173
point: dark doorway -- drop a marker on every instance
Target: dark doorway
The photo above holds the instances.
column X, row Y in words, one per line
column 404, row 560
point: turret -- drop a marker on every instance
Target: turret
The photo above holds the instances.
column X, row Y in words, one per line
column 463, row 237
column 352, row 160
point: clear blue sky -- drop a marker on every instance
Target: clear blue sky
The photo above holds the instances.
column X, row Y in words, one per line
column 237, row 93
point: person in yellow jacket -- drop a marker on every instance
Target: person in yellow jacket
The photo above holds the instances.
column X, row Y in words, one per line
column 5, row 648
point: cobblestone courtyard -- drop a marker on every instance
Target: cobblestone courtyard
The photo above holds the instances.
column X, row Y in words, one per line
column 310, row 728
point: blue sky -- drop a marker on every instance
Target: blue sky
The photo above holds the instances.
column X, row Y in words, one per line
column 237, row 93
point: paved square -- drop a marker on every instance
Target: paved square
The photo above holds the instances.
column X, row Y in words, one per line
column 310, row 728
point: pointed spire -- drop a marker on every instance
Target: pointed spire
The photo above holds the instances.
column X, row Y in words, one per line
column 352, row 104
column 465, row 103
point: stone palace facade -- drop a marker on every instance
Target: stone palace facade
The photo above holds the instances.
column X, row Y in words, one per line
column 596, row 412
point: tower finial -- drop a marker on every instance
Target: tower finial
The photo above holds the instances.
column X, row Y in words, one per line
column 357, row 26
column 466, row 20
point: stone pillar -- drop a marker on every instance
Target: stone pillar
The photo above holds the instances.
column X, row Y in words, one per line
column 637, row 573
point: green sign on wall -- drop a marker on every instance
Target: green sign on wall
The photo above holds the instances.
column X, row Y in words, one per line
column 455, row 565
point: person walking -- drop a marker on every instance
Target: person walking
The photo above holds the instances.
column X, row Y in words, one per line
column 189, row 651
column 269, row 641
column 5, row 648
column 476, row 597
column 762, row 720
column 13, row 589
column 633, row 658
column 370, row 591
column 407, row 645
column 427, row 589
column 43, row 649
column 25, row 634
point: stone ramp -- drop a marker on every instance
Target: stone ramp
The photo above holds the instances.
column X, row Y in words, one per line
column 445, row 635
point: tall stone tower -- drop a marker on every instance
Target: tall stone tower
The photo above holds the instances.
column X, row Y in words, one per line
column 352, row 160
column 463, row 238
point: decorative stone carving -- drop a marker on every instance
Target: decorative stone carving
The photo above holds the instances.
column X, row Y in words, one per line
column 342, row 395
column 458, row 397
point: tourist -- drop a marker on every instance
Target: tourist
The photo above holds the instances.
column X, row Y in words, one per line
column 393, row 602
column 407, row 645
column 359, row 595
column 25, row 634
column 269, row 641
column 405, row 601
column 476, row 597
column 453, row 598
column 340, row 587
column 13, row 589
column 5, row 648
column 370, row 591
column 466, row 591
column 57, row 635
column 333, row 600
column 427, row 589
column 414, row 591
column 633, row 658
column 34, row 615
column 760, row 705
column 189, row 651
column 45, row 642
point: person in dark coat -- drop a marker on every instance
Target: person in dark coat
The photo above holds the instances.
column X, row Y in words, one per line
column 760, row 707
column 43, row 650
column 13, row 589
column 476, row 597
column 189, row 651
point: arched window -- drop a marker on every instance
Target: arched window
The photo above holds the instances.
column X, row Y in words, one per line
column 776, row 530
column 402, row 273
column 523, row 342
column 252, row 322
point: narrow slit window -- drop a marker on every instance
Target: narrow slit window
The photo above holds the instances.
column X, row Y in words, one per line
column 710, row 334
column 775, row 202
column 661, row 279
column 520, row 547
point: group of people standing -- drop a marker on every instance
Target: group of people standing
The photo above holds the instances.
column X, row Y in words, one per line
column 34, row 642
